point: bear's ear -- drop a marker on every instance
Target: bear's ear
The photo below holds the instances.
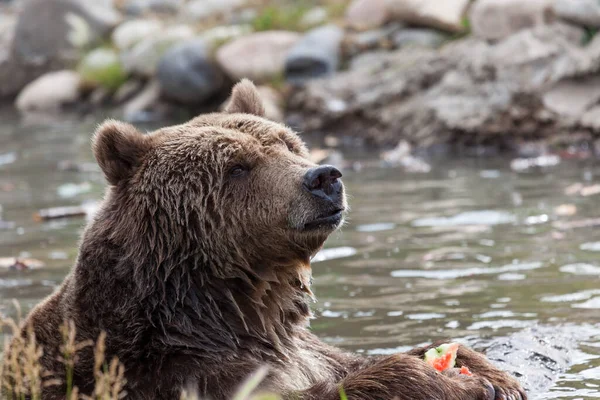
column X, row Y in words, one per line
column 119, row 149
column 245, row 99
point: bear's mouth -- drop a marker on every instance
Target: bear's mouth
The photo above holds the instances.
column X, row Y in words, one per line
column 329, row 220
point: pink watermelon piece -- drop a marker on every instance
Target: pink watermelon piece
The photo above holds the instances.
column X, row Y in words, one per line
column 442, row 357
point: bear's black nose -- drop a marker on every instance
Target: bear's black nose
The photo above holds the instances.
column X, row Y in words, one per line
column 322, row 181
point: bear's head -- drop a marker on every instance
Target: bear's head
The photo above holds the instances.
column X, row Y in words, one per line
column 231, row 192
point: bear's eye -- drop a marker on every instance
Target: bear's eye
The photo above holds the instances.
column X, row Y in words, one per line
column 289, row 146
column 238, row 170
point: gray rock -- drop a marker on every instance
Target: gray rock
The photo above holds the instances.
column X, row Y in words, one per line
column 139, row 7
column 445, row 15
column 572, row 98
column 582, row 12
column 14, row 72
column 50, row 91
column 132, row 32
column 187, row 74
column 222, row 34
column 258, row 56
column 316, row 55
column 201, row 10
column 419, row 37
column 144, row 56
column 365, row 14
column 497, row 19
column 467, row 91
column 54, row 30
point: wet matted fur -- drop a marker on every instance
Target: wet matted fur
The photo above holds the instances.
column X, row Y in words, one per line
column 197, row 267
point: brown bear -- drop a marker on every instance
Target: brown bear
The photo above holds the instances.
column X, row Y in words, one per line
column 197, row 267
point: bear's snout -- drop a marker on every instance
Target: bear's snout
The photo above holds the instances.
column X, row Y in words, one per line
column 325, row 187
column 323, row 182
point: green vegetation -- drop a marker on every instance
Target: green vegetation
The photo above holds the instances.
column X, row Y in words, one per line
column 286, row 17
column 102, row 67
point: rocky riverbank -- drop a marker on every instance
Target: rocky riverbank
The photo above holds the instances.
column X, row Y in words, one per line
column 367, row 72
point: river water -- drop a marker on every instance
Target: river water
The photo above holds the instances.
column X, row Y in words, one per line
column 470, row 250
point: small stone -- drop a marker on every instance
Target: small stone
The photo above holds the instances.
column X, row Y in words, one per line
column 131, row 32
column 566, row 210
column 365, row 14
column 590, row 190
column 50, row 91
column 313, row 17
column 139, row 7
column 315, row 55
column 446, row 15
column 201, row 10
column 580, row 12
column 187, row 74
column 419, row 38
column 259, row 56
column 497, row 19
column 219, row 35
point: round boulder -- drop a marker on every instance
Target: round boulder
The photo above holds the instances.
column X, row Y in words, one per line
column 316, row 55
column 187, row 74
column 102, row 67
column 259, row 56
column 143, row 58
column 50, row 91
column 50, row 30
column 364, row 14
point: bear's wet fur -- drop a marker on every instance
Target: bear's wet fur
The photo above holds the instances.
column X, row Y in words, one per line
column 197, row 267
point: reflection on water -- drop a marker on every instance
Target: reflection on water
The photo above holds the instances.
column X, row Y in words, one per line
column 469, row 250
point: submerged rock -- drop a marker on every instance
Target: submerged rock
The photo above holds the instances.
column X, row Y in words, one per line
column 259, row 56
column 187, row 74
column 316, row 55
column 50, row 91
